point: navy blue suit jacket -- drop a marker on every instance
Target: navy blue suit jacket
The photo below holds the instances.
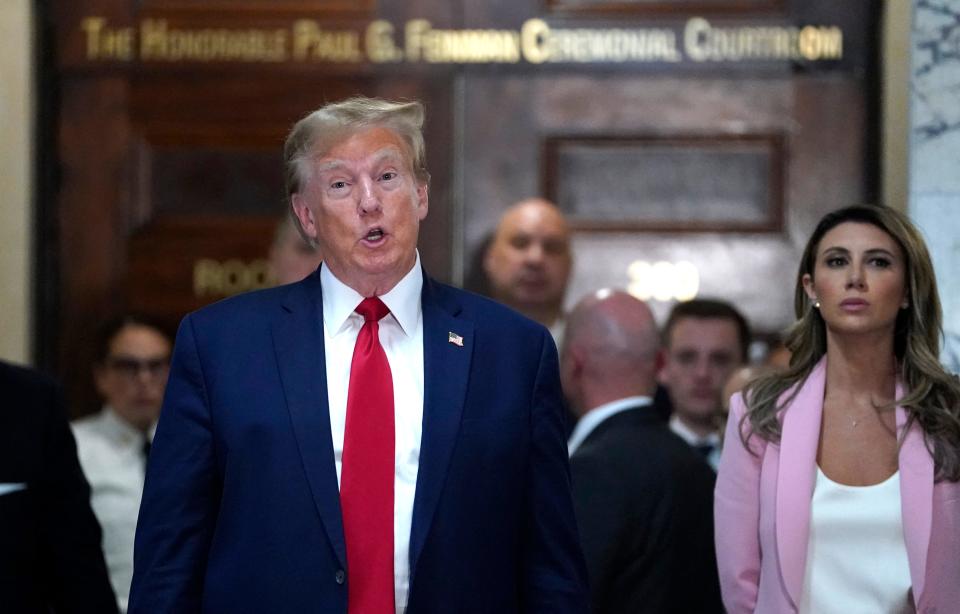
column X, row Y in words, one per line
column 241, row 507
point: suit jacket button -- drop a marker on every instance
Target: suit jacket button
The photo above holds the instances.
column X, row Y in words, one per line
column 340, row 576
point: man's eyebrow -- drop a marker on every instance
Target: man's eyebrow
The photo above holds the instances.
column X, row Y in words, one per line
column 329, row 165
column 386, row 153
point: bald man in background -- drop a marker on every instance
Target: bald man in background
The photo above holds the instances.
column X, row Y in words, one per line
column 642, row 496
column 529, row 260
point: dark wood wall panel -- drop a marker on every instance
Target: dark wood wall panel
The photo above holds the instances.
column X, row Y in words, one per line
column 814, row 125
column 95, row 148
column 199, row 180
column 181, row 262
column 629, row 183
column 167, row 176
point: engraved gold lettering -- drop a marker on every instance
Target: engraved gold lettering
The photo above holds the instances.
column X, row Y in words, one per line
column 214, row 278
column 613, row 45
column 694, row 34
column 460, row 46
column 533, row 38
column 536, row 42
column 705, row 43
column 92, row 27
column 107, row 44
column 310, row 42
column 206, row 278
column 379, row 41
column 821, row 43
column 159, row 42
column 413, row 38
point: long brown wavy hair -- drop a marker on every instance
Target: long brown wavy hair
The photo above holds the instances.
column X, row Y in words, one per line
column 932, row 395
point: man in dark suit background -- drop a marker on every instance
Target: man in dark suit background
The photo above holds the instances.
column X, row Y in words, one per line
column 50, row 556
column 643, row 497
column 313, row 459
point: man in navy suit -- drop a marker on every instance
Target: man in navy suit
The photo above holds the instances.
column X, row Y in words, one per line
column 366, row 440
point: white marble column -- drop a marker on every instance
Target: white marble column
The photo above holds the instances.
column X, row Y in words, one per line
column 934, row 200
column 16, row 157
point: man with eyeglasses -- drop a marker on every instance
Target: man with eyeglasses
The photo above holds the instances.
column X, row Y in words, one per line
column 130, row 374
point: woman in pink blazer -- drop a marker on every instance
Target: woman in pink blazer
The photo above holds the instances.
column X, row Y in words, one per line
column 839, row 484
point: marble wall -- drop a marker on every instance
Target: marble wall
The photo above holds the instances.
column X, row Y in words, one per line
column 934, row 188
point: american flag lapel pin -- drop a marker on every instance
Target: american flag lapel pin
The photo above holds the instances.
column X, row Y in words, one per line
column 455, row 339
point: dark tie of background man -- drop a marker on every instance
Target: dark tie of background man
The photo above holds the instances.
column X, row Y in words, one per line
column 367, row 475
column 145, row 450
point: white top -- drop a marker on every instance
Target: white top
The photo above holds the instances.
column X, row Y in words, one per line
column 595, row 416
column 686, row 433
column 401, row 335
column 111, row 456
column 856, row 555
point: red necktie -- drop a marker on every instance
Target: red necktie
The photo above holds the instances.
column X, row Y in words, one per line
column 366, row 480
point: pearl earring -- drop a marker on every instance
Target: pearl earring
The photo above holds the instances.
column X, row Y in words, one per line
column 816, row 304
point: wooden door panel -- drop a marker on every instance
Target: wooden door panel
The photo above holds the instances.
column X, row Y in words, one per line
column 816, row 125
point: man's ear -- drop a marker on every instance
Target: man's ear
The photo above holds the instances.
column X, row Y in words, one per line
column 304, row 214
column 488, row 248
column 99, row 378
column 660, row 362
column 577, row 361
column 423, row 200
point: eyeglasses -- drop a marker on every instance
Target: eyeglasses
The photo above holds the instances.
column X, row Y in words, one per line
column 131, row 367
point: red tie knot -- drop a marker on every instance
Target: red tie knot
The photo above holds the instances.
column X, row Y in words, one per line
column 372, row 309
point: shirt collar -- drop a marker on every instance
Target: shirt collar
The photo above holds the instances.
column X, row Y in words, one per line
column 119, row 429
column 403, row 300
column 595, row 416
column 681, row 429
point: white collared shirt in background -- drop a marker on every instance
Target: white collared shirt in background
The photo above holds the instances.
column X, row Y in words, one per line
column 401, row 335
column 713, row 440
column 111, row 456
column 594, row 417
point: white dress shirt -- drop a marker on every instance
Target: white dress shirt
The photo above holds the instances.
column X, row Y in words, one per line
column 695, row 440
column 111, row 455
column 595, row 416
column 401, row 335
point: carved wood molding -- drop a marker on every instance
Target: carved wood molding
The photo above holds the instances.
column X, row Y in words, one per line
column 736, row 182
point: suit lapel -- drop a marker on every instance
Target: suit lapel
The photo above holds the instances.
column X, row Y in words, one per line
column 299, row 346
column 446, row 373
column 916, row 496
column 795, row 478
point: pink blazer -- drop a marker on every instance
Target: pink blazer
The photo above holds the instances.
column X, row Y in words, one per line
column 762, row 512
